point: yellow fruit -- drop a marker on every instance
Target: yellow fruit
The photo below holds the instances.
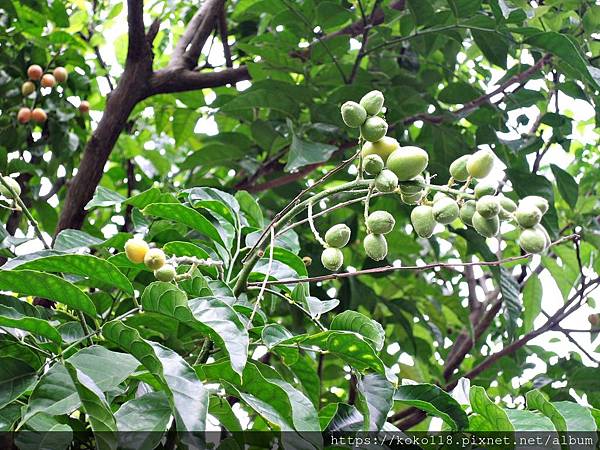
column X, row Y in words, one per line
column 486, row 227
column 373, row 164
column 48, row 81
column 135, row 250
column 373, row 129
column 480, row 163
column 166, row 273
column 24, row 115
column 386, row 181
column 372, row 102
column 485, row 188
column 27, row 88
column 384, row 147
column 332, row 258
column 35, row 72
column 39, row 115
column 422, row 220
column 155, row 258
column 408, row 162
column 445, row 210
column 375, row 246
column 338, row 236
column 467, row 210
column 532, row 240
column 488, row 206
column 458, row 168
column 14, row 185
column 353, row 114
column 61, row 74
column 380, row 222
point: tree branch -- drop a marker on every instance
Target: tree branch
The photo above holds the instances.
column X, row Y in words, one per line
column 224, row 38
column 168, row 80
column 137, row 31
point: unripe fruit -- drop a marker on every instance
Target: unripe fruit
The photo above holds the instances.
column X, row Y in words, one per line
column 412, row 186
column 532, row 240
column 373, row 164
column 155, row 258
column 438, row 195
column 166, row 273
column 84, row 107
column 39, row 115
column 488, row 206
column 375, row 246
column 507, row 206
column 412, row 199
column 422, row 220
column 486, row 227
column 24, row 115
column 480, row 163
column 332, row 258
column 136, row 249
column 14, row 185
column 467, row 210
column 458, row 168
column 542, row 230
column 373, row 129
column 61, row 74
column 539, row 202
column 372, row 102
column 380, row 222
column 485, row 188
column 408, row 162
column 48, row 81
column 35, row 72
column 353, row 114
column 337, row 236
column 27, row 88
column 445, row 210
column 528, row 215
column 384, row 147
column 386, row 181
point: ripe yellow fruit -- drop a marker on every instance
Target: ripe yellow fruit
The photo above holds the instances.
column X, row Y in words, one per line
column 84, row 107
column 24, row 115
column 61, row 74
column 384, row 147
column 35, row 72
column 408, row 162
column 14, row 185
column 422, row 220
column 136, row 249
column 332, row 258
column 458, row 168
column 480, row 163
column 338, row 235
column 375, row 246
column 27, row 88
column 155, row 258
column 39, row 115
column 353, row 114
column 373, row 129
column 48, row 80
column 166, row 273
column 380, row 222
column 445, row 210
column 372, row 102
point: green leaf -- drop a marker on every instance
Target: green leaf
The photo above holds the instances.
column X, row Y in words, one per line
column 152, row 195
column 221, row 409
column 537, row 400
column 44, row 432
column 578, row 418
column 184, row 121
column 37, row 284
column 435, row 401
column 492, row 413
column 377, row 395
column 10, row 317
column 523, row 420
column 185, row 215
column 458, row 92
column 565, row 274
column 261, row 98
column 54, row 394
column 566, row 184
column 75, row 239
column 16, row 377
column 340, row 417
column 354, row 321
column 89, row 266
column 102, row 421
column 148, row 416
column 209, row 315
column 303, row 153
column 105, row 367
column 8, row 416
column 464, row 8
column 492, row 44
column 187, row 395
column 510, row 296
column 273, row 334
column 104, row 197
column 250, row 208
column 532, row 301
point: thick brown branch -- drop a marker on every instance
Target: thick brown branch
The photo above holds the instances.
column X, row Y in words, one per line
column 224, row 38
column 178, row 80
column 137, row 31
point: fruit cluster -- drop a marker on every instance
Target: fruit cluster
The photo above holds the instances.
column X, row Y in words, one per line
column 35, row 73
column 402, row 170
column 138, row 251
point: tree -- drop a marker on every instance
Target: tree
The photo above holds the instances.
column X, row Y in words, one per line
column 237, row 295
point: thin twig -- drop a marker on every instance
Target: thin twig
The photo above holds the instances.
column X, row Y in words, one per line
column 266, row 279
column 313, row 228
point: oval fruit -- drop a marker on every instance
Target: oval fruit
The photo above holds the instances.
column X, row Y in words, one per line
column 48, row 81
column 332, row 258
column 24, row 115
column 484, row 188
column 488, row 206
column 384, row 147
column 386, row 181
column 467, row 210
column 35, row 72
column 486, row 227
column 353, row 114
column 136, row 249
column 61, row 74
column 458, row 168
column 423, row 221
column 154, row 258
column 412, row 199
column 373, row 164
column 84, row 107
column 372, row 102
column 375, row 246
column 373, row 129
column 539, row 202
column 528, row 215
column 39, row 115
column 338, row 235
column 14, row 185
column 27, row 88
column 166, row 273
column 445, row 210
column 380, row 222
column 532, row 240
column 507, row 207
column 480, row 163
column 408, row 162
column 412, row 186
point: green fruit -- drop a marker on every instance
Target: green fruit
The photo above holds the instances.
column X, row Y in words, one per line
column 532, row 240
column 486, row 227
column 384, row 147
column 541, row 229
column 27, row 88
column 332, row 258
column 166, row 273
column 14, row 185
column 467, row 210
column 154, row 258
column 485, row 188
column 423, row 221
column 445, row 210
column 507, row 207
column 412, row 199
column 337, row 236
column 412, row 186
column 480, row 163
column 528, row 215
column 488, row 206
column 539, row 202
column 372, row 102
column 375, row 246
column 373, row 129
column 373, row 164
column 353, row 114
column 458, row 168
column 386, row 181
column 408, row 162
column 380, row 222
column 438, row 195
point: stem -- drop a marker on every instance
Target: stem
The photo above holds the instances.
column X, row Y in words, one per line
column 265, row 281
column 291, row 301
column 313, row 228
